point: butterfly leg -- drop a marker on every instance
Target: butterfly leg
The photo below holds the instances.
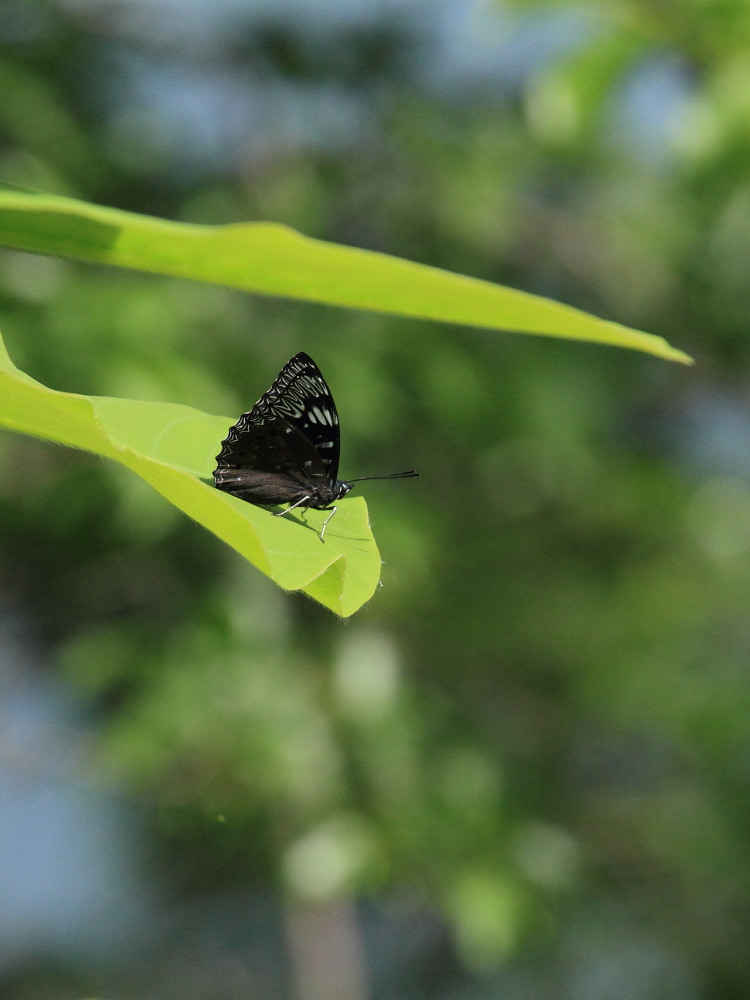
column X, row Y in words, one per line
column 322, row 530
column 303, row 503
column 299, row 503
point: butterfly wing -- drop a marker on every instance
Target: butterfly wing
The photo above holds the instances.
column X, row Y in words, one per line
column 268, row 461
column 286, row 448
column 301, row 397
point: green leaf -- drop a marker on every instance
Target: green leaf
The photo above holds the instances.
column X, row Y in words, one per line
column 275, row 260
column 173, row 448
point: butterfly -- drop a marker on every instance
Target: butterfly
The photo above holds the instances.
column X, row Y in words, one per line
column 286, row 449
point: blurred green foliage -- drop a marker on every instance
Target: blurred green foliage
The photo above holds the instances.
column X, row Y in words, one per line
column 539, row 725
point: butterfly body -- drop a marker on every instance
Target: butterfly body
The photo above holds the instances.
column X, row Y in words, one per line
column 286, row 448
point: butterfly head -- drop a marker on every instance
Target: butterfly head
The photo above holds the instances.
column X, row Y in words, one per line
column 340, row 488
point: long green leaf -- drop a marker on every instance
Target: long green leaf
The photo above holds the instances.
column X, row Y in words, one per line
column 275, row 260
column 173, row 447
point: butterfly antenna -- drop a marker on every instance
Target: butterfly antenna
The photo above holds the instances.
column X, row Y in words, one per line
column 391, row 475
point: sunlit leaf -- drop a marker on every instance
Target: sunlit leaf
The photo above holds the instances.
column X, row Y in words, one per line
column 173, row 448
column 275, row 260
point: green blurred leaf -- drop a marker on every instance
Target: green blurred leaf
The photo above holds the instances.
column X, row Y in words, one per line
column 276, row 260
column 172, row 447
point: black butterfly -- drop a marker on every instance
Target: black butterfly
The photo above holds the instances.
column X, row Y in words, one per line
column 286, row 449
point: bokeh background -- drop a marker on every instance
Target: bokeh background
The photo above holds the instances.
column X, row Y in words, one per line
column 523, row 770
